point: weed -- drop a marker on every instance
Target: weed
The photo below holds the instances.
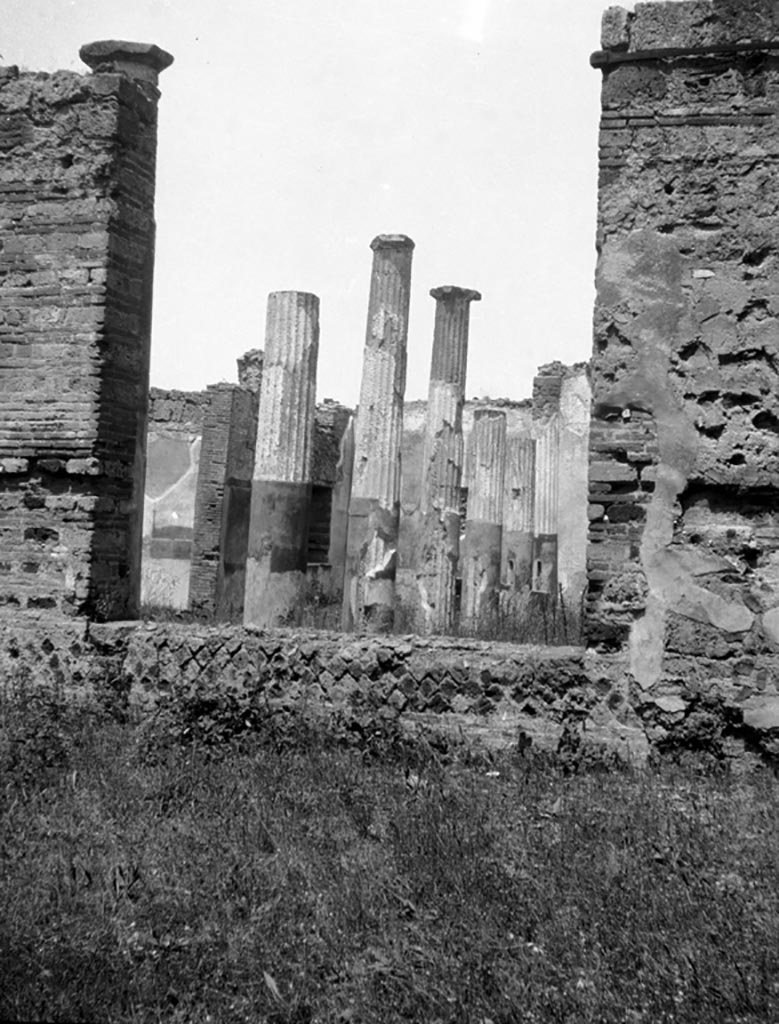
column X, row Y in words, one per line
column 302, row 876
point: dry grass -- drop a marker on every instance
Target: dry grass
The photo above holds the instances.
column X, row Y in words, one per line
column 289, row 878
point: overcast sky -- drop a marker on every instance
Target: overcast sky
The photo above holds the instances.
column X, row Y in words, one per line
column 294, row 131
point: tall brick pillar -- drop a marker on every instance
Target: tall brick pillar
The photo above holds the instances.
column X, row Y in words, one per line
column 281, row 488
column 519, row 513
column 76, row 267
column 483, row 539
column 684, row 442
column 221, row 524
column 443, row 457
column 374, row 509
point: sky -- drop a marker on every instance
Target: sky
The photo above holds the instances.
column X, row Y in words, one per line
column 292, row 132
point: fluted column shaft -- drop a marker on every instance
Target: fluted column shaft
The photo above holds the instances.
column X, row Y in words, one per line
column 546, row 507
column 374, row 509
column 519, row 512
column 484, row 523
column 339, row 516
column 443, row 457
column 281, row 487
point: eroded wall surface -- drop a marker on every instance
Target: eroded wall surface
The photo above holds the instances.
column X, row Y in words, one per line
column 76, row 263
column 684, row 474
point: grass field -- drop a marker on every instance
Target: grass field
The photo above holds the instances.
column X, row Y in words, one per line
column 289, row 877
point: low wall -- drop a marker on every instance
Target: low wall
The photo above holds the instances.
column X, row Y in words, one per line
column 557, row 700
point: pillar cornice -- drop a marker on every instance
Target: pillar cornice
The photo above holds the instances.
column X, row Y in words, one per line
column 141, row 61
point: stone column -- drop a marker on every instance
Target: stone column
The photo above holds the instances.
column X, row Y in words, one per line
column 221, row 524
column 519, row 515
column 76, row 270
column 572, row 524
column 281, row 487
column 546, row 508
column 250, row 369
column 339, row 522
column 443, row 458
column 547, row 390
column 374, row 509
column 484, row 523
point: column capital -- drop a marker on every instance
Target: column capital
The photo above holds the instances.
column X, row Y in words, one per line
column 488, row 412
column 451, row 291
column 140, row 61
column 291, row 294
column 391, row 242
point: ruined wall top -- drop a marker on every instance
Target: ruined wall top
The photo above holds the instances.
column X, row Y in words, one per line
column 177, row 408
column 689, row 25
column 331, row 420
column 250, row 367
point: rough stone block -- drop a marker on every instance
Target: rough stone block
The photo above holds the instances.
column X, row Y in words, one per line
column 612, row 472
column 614, row 29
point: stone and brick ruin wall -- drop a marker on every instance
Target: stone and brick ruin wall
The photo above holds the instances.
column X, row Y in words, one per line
column 76, row 264
column 682, row 568
column 77, row 188
column 174, row 477
column 684, row 484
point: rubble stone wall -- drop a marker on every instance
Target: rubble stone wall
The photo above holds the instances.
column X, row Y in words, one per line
column 76, row 263
column 684, row 484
